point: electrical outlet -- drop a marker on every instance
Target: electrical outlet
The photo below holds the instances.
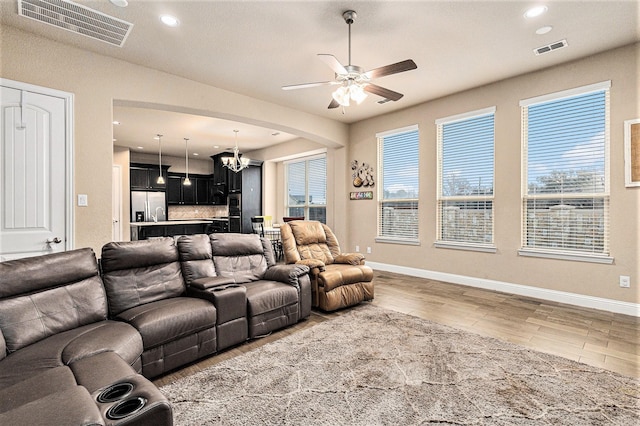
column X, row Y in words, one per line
column 625, row 281
column 368, row 250
column 357, row 249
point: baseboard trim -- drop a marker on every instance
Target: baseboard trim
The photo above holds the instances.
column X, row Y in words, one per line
column 582, row 300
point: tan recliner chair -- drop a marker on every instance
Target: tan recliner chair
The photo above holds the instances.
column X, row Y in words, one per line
column 337, row 279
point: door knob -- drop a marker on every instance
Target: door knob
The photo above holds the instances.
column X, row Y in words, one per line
column 55, row 240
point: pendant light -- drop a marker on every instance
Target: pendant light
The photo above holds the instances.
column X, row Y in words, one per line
column 160, row 180
column 187, row 181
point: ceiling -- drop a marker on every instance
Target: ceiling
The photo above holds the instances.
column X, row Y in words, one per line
column 255, row 47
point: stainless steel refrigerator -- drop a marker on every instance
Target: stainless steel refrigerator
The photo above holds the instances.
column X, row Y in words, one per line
column 146, row 204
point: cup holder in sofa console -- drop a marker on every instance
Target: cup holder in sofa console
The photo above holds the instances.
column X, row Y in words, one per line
column 115, row 392
column 125, row 408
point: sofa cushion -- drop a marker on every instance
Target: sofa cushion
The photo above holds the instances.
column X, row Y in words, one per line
column 70, row 346
column 167, row 320
column 69, row 407
column 139, row 272
column 30, row 318
column 311, row 240
column 24, row 276
column 239, row 256
column 46, row 383
column 264, row 296
column 195, row 257
column 337, row 275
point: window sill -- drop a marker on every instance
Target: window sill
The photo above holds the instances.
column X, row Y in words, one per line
column 577, row 257
column 397, row 241
column 484, row 248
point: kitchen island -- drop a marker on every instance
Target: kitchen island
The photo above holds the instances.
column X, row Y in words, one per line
column 172, row 228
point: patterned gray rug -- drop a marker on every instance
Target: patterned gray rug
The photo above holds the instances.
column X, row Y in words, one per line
column 372, row 366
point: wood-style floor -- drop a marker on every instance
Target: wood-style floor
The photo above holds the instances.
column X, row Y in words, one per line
column 603, row 339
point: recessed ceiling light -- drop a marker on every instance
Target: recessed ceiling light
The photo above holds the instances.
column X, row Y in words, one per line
column 195, row 154
column 544, row 30
column 216, row 146
column 119, row 3
column 535, row 11
column 170, row 21
column 140, row 147
column 116, row 123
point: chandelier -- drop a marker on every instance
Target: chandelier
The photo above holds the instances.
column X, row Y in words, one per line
column 235, row 163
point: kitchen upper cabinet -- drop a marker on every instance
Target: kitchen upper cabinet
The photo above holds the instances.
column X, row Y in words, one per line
column 218, row 185
column 145, row 176
column 195, row 194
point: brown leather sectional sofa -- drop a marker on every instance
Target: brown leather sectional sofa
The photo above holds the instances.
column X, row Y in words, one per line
column 80, row 339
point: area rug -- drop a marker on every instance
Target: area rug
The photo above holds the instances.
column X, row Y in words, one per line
column 372, row 366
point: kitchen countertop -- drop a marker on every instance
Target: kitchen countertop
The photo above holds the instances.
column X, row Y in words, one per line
column 172, row 222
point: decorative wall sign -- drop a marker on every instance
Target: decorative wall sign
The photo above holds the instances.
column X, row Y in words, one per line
column 632, row 152
column 362, row 174
column 361, row 195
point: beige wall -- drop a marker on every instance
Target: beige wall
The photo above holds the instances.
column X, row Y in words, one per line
column 622, row 67
column 98, row 82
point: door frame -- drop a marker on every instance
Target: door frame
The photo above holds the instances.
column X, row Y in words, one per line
column 116, row 195
column 68, row 98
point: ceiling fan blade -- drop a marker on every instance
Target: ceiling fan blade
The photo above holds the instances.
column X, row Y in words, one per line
column 383, row 92
column 333, row 104
column 307, row 85
column 392, row 69
column 333, row 63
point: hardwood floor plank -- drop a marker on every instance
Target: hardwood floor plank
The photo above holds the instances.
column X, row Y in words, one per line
column 601, row 339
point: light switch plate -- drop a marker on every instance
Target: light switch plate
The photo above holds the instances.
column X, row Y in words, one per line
column 83, row 200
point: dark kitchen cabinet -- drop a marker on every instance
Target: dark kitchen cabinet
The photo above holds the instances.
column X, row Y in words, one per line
column 218, row 185
column 250, row 195
column 195, row 194
column 144, row 177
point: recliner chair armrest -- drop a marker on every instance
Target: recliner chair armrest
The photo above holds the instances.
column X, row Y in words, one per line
column 350, row 258
column 288, row 274
column 206, row 283
column 312, row 264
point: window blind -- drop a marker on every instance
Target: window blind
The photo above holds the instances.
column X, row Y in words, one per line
column 566, row 173
column 465, row 178
column 307, row 188
column 398, row 162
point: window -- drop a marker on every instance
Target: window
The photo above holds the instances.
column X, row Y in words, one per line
column 465, row 180
column 307, row 188
column 566, row 174
column 398, row 161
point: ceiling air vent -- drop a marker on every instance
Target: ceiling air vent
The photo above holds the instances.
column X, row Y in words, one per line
column 551, row 47
column 78, row 19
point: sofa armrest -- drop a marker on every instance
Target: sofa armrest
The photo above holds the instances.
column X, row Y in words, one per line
column 350, row 259
column 206, row 283
column 288, row 274
column 314, row 265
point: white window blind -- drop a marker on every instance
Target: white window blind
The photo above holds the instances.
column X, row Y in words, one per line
column 307, row 188
column 398, row 162
column 566, row 173
column 465, row 179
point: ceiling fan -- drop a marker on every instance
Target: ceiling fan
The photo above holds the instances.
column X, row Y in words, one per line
column 353, row 80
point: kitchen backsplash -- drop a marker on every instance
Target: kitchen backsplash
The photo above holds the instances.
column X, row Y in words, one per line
column 197, row 212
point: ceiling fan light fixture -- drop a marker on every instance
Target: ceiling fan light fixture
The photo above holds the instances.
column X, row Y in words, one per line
column 341, row 95
column 357, row 93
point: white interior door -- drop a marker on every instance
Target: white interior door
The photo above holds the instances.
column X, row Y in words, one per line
column 35, row 208
column 116, row 192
